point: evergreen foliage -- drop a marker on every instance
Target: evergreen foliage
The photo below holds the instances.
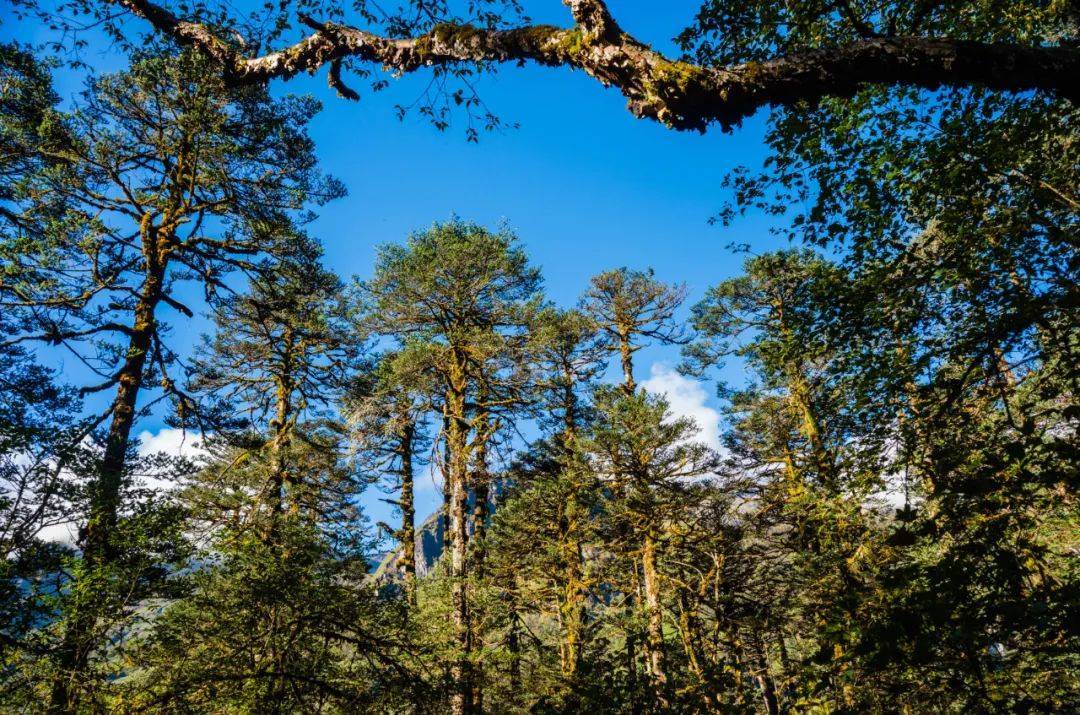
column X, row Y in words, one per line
column 890, row 524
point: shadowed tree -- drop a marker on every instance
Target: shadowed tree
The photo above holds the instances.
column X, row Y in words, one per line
column 646, row 456
column 278, row 616
column 387, row 415
column 167, row 177
column 547, row 520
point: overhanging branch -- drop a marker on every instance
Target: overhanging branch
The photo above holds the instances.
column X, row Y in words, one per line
column 678, row 94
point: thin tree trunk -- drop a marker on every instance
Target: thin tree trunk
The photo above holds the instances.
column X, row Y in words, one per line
column 626, row 357
column 513, row 646
column 284, row 494
column 688, row 629
column 447, row 479
column 632, row 603
column 654, row 639
column 481, row 488
column 481, row 482
column 572, row 606
column 407, row 535
column 573, row 611
column 765, row 681
column 457, row 446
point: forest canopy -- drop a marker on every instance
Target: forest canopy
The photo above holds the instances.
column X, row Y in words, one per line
column 883, row 519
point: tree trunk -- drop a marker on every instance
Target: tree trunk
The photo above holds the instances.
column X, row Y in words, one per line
column 284, row 493
column 458, row 507
column 654, row 639
column 765, row 681
column 630, row 654
column 480, row 480
column 573, row 611
column 407, row 535
column 513, row 646
column 444, row 517
column 626, row 357
column 481, row 487
column 689, row 631
column 572, row 604
column 77, row 645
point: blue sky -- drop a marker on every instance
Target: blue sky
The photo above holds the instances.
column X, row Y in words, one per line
column 584, row 184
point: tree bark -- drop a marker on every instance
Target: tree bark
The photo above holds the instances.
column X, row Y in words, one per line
column 458, row 507
column 626, row 358
column 678, row 94
column 765, row 681
column 572, row 602
column 654, row 639
column 573, row 611
column 285, row 496
column 97, row 551
column 480, row 480
column 406, row 502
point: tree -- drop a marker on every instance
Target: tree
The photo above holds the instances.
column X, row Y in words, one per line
column 276, row 628
column 814, row 466
column 867, row 387
column 164, row 180
column 545, row 522
column 646, row 457
column 629, row 305
column 387, row 416
column 42, row 463
column 27, row 124
column 751, row 55
column 278, row 616
column 458, row 299
column 283, row 354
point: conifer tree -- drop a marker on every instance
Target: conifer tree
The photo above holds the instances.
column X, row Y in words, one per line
column 164, row 179
column 278, row 617
column 647, row 455
column 459, row 299
column 388, row 408
column 553, row 495
column 791, row 429
column 281, row 358
column 630, row 306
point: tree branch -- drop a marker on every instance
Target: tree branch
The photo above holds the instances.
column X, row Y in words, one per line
column 678, row 94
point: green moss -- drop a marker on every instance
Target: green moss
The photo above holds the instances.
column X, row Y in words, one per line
column 670, row 86
column 450, row 33
column 680, row 75
column 572, row 42
column 424, row 46
column 753, row 71
column 445, row 34
column 537, row 34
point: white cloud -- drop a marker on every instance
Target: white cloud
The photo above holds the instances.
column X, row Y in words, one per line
column 686, row 398
column 174, row 442
column 60, row 534
column 167, row 440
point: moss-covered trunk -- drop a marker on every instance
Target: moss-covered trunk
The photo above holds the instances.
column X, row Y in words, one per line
column 406, row 501
column 654, row 638
column 97, row 549
column 457, row 439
